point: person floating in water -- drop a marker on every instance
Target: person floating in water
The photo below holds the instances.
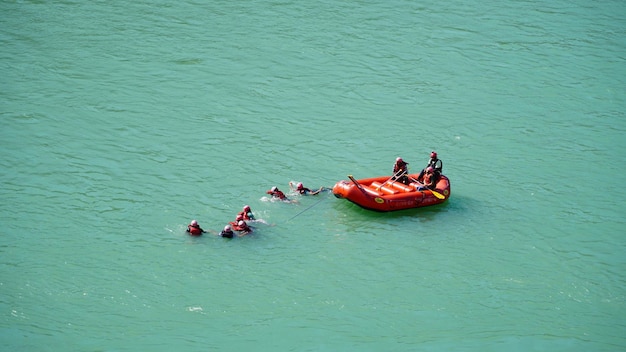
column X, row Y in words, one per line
column 227, row 232
column 304, row 190
column 246, row 213
column 277, row 194
column 243, row 228
column 194, row 229
column 400, row 171
column 238, row 218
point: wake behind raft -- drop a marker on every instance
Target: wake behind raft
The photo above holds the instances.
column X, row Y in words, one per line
column 383, row 194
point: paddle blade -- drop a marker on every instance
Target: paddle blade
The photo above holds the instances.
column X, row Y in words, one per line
column 438, row 195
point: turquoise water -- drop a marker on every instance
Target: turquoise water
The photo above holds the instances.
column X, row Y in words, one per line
column 122, row 121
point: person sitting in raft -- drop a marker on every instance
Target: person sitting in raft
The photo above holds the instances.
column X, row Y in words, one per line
column 227, row 232
column 400, row 171
column 243, row 228
column 304, row 190
column 429, row 179
column 434, row 163
column 194, row 229
column 276, row 193
column 246, row 213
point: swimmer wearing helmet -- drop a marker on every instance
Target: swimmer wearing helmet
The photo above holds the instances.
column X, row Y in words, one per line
column 194, row 229
column 246, row 213
column 227, row 232
column 243, row 228
column 276, row 193
column 238, row 218
column 304, row 190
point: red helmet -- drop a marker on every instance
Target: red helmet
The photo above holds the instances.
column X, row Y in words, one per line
column 430, row 169
column 246, row 208
column 433, row 155
column 399, row 159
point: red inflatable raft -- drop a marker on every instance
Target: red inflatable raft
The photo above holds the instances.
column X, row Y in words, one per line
column 382, row 194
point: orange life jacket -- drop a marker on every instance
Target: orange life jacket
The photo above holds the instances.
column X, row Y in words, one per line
column 244, row 227
column 194, row 230
column 429, row 180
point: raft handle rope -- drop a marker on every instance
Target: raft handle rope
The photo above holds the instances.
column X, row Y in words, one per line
column 309, row 207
